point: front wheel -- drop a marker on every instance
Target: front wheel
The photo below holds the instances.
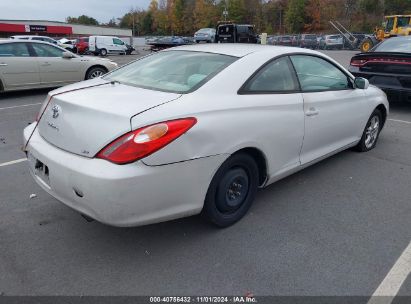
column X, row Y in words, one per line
column 231, row 191
column 371, row 133
column 95, row 72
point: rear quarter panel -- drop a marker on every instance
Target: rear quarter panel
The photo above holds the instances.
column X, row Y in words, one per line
column 228, row 122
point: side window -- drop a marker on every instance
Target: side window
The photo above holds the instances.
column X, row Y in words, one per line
column 277, row 76
column 316, row 74
column 390, row 25
column 37, row 38
column 44, row 50
column 14, row 50
column 118, row 41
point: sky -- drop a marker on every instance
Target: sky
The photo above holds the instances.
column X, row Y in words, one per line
column 58, row 10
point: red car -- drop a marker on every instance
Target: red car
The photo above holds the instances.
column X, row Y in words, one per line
column 82, row 45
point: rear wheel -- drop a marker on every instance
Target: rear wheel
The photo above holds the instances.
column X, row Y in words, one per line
column 371, row 133
column 231, row 191
column 95, row 72
column 103, row 52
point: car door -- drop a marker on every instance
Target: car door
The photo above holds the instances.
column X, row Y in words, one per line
column 119, row 45
column 18, row 68
column 53, row 68
column 275, row 89
column 334, row 110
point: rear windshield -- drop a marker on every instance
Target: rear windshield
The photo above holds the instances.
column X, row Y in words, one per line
column 334, row 37
column 225, row 29
column 172, row 71
column 394, row 45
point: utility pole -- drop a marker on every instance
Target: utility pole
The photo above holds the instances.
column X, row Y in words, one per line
column 225, row 12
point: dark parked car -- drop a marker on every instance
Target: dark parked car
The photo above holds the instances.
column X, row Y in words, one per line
column 308, row 41
column 387, row 65
column 235, row 33
column 285, row 40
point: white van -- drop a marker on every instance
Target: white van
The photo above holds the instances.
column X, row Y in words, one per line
column 104, row 45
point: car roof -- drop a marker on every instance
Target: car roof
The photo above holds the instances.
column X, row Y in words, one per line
column 239, row 50
column 32, row 36
column 25, row 41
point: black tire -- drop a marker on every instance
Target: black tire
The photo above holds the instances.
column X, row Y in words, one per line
column 95, row 72
column 366, row 45
column 231, row 191
column 371, row 133
column 103, row 52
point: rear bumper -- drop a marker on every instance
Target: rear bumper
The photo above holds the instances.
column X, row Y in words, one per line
column 129, row 195
column 386, row 82
column 202, row 38
column 334, row 44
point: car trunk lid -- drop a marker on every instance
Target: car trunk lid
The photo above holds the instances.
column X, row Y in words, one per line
column 389, row 63
column 85, row 120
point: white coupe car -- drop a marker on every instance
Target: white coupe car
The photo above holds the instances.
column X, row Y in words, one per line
column 30, row 64
column 197, row 129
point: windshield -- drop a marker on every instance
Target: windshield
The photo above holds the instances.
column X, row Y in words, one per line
column 172, row 71
column 394, row 45
column 205, row 30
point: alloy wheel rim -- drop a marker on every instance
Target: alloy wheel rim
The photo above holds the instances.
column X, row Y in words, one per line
column 371, row 133
column 96, row 74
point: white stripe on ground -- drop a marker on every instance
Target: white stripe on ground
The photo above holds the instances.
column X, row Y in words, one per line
column 392, row 283
column 403, row 121
column 25, row 105
column 13, row 162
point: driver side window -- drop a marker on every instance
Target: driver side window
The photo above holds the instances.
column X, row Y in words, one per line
column 316, row 74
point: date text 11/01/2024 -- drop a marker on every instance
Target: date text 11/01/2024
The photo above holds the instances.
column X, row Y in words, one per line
column 236, row 299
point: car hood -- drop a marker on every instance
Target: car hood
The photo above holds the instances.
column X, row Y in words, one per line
column 84, row 118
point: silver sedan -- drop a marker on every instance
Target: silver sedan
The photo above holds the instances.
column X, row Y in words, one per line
column 197, row 129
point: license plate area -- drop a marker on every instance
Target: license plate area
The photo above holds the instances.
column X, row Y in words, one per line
column 40, row 170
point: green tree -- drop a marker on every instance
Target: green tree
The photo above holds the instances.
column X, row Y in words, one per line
column 295, row 16
column 236, row 10
column 83, row 19
column 397, row 7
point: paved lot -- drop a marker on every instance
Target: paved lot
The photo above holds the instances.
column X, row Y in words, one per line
column 336, row 228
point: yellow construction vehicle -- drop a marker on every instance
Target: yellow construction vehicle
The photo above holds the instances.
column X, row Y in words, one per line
column 398, row 25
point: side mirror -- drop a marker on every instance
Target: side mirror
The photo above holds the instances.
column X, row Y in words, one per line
column 361, row 83
column 68, row 55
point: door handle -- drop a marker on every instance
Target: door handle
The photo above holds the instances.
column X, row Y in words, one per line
column 312, row 112
column 3, row 64
column 46, row 64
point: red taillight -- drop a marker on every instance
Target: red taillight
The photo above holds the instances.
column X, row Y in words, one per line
column 380, row 60
column 145, row 141
column 358, row 62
